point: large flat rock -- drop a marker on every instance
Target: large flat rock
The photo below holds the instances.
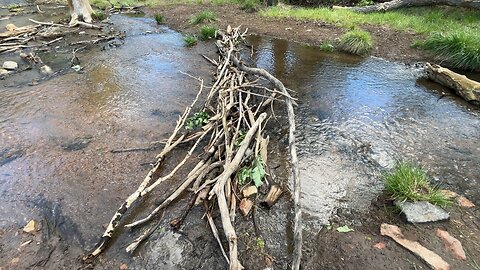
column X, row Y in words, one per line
column 421, row 212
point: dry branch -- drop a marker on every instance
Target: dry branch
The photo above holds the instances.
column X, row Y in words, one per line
column 230, row 136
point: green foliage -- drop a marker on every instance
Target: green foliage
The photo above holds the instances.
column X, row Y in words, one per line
column 207, row 32
column 255, row 172
column 407, row 182
column 357, row 42
column 417, row 19
column 159, row 18
column 460, row 49
column 240, row 138
column 364, row 3
column 190, row 40
column 344, row 229
column 327, row 47
column 260, row 243
column 202, row 17
column 15, row 8
column 197, row 120
column 250, row 5
column 99, row 15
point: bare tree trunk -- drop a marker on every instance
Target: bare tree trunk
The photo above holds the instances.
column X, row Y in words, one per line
column 395, row 4
column 80, row 9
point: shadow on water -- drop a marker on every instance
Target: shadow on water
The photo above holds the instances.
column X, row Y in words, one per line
column 358, row 116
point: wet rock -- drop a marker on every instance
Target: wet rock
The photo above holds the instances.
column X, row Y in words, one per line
column 464, row 202
column 31, row 227
column 10, row 65
column 421, row 212
column 77, row 143
column 10, row 27
column 249, row 191
column 3, row 71
column 451, row 244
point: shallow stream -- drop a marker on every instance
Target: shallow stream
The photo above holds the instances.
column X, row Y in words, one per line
column 356, row 116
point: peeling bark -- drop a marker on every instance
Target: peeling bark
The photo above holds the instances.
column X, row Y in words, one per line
column 80, row 9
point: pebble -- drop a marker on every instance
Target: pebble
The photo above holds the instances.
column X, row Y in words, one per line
column 10, row 65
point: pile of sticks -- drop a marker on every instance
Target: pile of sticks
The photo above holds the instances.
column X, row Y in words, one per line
column 27, row 37
column 237, row 107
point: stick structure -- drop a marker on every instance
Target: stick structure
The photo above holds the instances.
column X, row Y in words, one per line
column 225, row 136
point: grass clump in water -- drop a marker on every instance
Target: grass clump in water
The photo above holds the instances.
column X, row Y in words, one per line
column 207, row 32
column 99, row 15
column 201, row 17
column 190, row 40
column 327, row 47
column 407, row 182
column 357, row 42
column 460, row 49
column 159, row 18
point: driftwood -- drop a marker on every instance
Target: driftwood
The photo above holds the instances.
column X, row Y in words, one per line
column 396, row 4
column 431, row 258
column 230, row 137
column 463, row 86
column 272, row 196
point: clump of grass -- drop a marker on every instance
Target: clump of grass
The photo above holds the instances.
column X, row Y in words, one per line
column 461, row 49
column 327, row 47
column 159, row 18
column 207, row 32
column 201, row 17
column 408, row 182
column 190, row 40
column 99, row 15
column 250, row 5
column 357, row 42
column 364, row 3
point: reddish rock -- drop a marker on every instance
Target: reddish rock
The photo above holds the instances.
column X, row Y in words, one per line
column 123, row 266
column 245, row 206
column 449, row 194
column 379, row 245
column 452, row 244
column 464, row 202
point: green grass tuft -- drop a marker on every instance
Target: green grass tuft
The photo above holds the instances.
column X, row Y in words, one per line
column 207, row 32
column 250, row 5
column 99, row 15
column 460, row 49
column 407, row 182
column 357, row 42
column 159, row 18
column 190, row 40
column 364, row 3
column 327, row 47
column 202, row 17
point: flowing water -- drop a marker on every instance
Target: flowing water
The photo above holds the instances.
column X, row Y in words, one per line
column 356, row 117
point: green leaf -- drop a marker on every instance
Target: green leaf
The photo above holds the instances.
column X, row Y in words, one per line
column 344, row 229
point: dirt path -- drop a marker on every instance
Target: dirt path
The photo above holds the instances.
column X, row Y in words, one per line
column 389, row 44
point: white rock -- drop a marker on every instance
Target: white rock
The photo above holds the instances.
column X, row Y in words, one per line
column 421, row 212
column 10, row 65
column 3, row 71
column 46, row 70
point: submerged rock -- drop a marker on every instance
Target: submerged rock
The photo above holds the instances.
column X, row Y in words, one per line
column 421, row 212
column 77, row 143
column 10, row 65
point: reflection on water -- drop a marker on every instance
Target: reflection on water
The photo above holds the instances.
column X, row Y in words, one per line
column 358, row 116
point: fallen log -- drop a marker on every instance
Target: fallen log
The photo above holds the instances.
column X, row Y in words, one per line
column 463, row 86
column 396, row 4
